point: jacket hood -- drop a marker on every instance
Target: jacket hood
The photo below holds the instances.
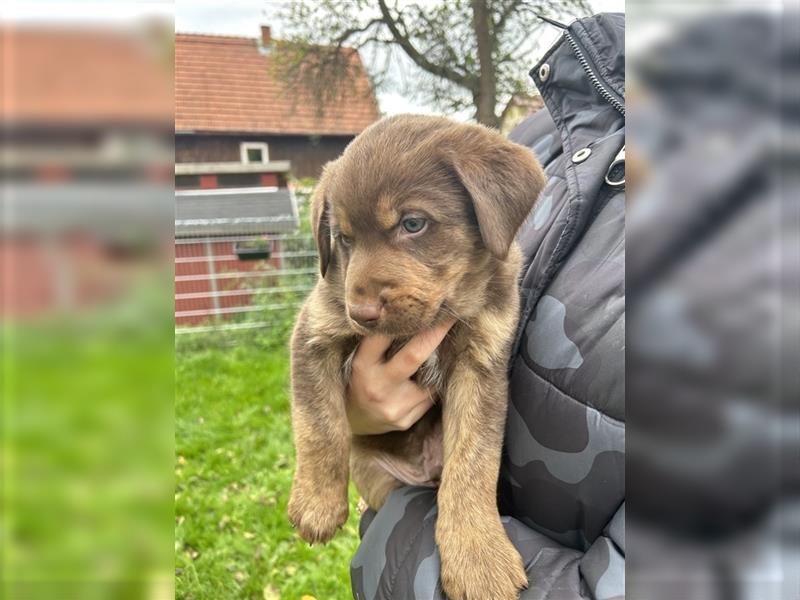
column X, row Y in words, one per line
column 585, row 67
column 603, row 38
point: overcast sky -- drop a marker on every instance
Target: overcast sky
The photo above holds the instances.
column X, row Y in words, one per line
column 221, row 17
column 243, row 17
column 237, row 17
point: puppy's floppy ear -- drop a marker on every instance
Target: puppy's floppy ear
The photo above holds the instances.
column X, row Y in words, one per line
column 320, row 220
column 502, row 178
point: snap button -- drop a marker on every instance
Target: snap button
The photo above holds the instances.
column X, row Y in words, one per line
column 544, row 72
column 581, row 155
column 619, row 159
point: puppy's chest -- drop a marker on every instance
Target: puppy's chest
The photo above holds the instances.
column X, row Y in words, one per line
column 430, row 375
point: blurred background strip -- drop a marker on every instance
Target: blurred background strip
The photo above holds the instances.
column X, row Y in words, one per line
column 86, row 249
column 713, row 445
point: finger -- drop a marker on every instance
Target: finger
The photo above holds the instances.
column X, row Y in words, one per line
column 418, row 349
column 405, row 397
column 417, row 412
column 372, row 349
column 409, row 395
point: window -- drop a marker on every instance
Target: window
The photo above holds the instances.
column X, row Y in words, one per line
column 254, row 152
column 253, row 249
column 234, row 180
column 183, row 182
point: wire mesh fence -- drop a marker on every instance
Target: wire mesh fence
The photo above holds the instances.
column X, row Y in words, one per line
column 245, row 260
column 241, row 282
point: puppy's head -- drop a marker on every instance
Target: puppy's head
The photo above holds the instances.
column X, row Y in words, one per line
column 415, row 215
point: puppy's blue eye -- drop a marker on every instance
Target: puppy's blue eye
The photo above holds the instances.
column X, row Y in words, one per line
column 414, row 224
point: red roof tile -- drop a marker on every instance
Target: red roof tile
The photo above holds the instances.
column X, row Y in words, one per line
column 226, row 84
column 83, row 77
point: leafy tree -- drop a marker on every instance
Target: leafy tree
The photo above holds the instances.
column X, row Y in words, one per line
column 464, row 52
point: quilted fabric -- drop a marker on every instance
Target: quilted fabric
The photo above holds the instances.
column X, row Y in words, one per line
column 562, row 481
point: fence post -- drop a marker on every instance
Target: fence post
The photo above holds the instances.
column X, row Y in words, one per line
column 212, row 270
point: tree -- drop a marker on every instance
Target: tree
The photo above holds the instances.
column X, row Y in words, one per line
column 464, row 52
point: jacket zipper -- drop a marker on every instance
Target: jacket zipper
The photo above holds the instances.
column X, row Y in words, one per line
column 598, row 85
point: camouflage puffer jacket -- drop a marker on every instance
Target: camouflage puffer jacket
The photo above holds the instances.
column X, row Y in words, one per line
column 562, row 482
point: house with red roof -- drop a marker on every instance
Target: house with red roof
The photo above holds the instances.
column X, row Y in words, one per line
column 231, row 107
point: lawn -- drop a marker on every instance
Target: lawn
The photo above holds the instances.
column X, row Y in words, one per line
column 234, row 464
column 87, row 445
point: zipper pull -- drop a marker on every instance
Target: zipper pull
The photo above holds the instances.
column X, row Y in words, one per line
column 619, row 159
column 551, row 21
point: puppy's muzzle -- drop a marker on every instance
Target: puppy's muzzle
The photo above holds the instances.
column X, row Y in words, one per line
column 366, row 314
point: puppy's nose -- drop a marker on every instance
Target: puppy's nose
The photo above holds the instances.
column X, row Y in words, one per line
column 367, row 314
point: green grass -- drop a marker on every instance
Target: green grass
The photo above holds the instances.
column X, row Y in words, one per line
column 233, row 474
column 87, row 442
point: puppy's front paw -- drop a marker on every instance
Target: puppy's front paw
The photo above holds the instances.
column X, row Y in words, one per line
column 481, row 569
column 317, row 513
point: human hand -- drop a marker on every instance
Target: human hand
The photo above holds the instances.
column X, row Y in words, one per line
column 381, row 396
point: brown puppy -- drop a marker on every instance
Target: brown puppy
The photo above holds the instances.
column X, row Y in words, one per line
column 415, row 224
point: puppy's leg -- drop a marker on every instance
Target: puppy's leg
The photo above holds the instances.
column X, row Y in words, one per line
column 478, row 560
column 318, row 503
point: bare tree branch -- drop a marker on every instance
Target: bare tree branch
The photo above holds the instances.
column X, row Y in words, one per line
column 500, row 23
column 349, row 33
column 429, row 51
column 405, row 43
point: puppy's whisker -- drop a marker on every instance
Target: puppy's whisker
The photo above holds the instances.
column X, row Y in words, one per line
column 450, row 313
column 453, row 315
